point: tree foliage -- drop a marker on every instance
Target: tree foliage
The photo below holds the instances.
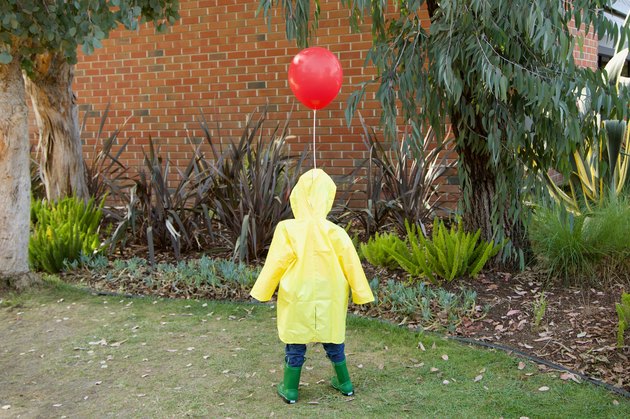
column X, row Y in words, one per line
column 30, row 27
column 502, row 71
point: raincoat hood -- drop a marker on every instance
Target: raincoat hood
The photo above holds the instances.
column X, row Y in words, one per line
column 313, row 195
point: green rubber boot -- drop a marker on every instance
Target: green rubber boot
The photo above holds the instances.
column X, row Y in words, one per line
column 288, row 389
column 341, row 381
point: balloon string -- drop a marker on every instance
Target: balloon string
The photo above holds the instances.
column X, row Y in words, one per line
column 314, row 119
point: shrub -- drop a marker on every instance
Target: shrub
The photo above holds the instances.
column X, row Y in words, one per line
column 106, row 175
column 583, row 248
column 433, row 308
column 250, row 185
column 600, row 169
column 623, row 312
column 379, row 248
column 196, row 278
column 63, row 231
column 451, row 253
column 161, row 216
column 402, row 181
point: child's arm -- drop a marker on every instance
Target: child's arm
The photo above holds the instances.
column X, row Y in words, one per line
column 352, row 269
column 279, row 258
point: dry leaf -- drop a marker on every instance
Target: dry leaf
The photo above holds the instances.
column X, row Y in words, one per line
column 478, row 378
column 421, row 346
column 116, row 344
column 581, row 334
column 445, row 357
column 446, row 382
column 615, row 402
column 433, row 369
column 543, row 388
column 512, row 312
column 521, row 365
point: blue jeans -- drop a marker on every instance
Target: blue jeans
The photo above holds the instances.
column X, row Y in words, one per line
column 294, row 353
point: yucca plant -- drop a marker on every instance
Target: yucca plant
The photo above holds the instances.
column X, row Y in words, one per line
column 164, row 217
column 600, row 169
column 250, row 184
column 451, row 253
column 403, row 178
column 63, row 231
column 106, row 174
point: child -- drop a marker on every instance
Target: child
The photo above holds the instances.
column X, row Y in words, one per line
column 314, row 263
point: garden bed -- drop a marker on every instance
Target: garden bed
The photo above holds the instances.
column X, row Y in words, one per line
column 577, row 330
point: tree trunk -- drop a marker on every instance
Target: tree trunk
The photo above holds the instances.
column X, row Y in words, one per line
column 61, row 159
column 480, row 210
column 15, row 178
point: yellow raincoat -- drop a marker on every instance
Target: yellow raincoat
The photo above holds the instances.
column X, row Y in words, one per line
column 315, row 264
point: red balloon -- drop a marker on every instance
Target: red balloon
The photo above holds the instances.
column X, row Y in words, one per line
column 315, row 77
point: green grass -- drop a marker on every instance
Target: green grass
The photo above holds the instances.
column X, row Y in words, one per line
column 589, row 248
column 174, row 358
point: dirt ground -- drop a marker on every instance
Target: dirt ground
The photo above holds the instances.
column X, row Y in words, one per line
column 578, row 328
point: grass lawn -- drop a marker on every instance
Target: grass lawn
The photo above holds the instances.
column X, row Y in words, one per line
column 64, row 352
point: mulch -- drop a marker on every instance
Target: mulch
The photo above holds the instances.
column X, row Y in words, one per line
column 578, row 329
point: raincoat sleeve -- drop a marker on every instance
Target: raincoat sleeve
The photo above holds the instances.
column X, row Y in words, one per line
column 279, row 258
column 352, row 269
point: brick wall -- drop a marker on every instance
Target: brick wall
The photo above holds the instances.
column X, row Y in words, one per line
column 223, row 61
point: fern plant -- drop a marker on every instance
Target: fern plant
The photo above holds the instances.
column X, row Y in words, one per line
column 63, row 231
column 623, row 311
column 451, row 253
column 379, row 249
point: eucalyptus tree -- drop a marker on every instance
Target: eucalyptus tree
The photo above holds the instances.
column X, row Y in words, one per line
column 40, row 38
column 502, row 72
